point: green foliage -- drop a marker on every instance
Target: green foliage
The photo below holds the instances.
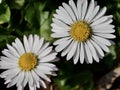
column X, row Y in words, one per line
column 4, row 14
column 24, row 17
column 45, row 29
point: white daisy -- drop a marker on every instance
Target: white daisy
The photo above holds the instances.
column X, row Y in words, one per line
column 82, row 30
column 28, row 63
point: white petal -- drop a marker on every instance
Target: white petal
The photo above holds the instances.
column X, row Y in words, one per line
column 93, row 51
column 14, row 72
column 45, row 52
column 57, row 30
column 63, row 16
column 100, row 20
column 9, row 55
column 105, row 35
column 60, row 23
column 74, row 8
column 93, row 14
column 50, row 65
column 69, row 11
column 45, row 69
column 48, row 58
column 5, row 52
column 10, row 84
column 90, row 10
column 30, row 79
column 13, row 51
column 42, row 75
column 7, row 81
column 61, row 40
column 20, row 80
column 32, row 87
column 63, row 45
column 43, row 48
column 26, row 79
column 42, row 83
column 7, row 65
column 98, row 48
column 104, row 47
column 105, row 22
column 82, row 53
column 72, row 51
column 79, row 7
column 102, row 40
column 19, row 88
column 65, row 51
column 36, row 78
column 5, row 73
column 30, row 41
column 88, row 53
column 86, row 59
column 40, row 44
column 35, row 48
column 60, row 34
column 84, row 8
column 19, row 46
column 26, row 44
column 54, row 25
column 103, row 26
column 9, row 60
column 101, row 13
column 103, row 30
column 76, row 57
column 14, row 80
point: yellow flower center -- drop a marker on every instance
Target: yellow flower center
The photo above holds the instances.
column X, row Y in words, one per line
column 80, row 31
column 27, row 61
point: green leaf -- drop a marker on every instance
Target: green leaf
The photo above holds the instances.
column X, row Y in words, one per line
column 20, row 2
column 62, row 86
column 80, row 78
column 4, row 14
column 41, row 5
column 88, row 86
column 29, row 13
column 16, row 4
column 45, row 29
column 7, row 38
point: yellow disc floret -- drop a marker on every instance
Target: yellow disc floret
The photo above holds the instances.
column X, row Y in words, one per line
column 27, row 61
column 80, row 31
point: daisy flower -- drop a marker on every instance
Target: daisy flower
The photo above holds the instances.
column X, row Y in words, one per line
column 83, row 31
column 28, row 63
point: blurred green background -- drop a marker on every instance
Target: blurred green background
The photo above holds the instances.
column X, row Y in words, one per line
column 24, row 17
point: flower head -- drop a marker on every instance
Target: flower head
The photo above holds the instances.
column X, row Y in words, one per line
column 83, row 31
column 28, row 63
